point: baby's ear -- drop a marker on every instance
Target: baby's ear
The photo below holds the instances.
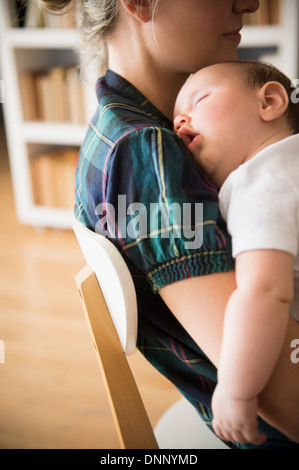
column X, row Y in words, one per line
column 274, row 101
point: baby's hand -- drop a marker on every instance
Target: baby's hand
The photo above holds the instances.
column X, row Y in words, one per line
column 235, row 419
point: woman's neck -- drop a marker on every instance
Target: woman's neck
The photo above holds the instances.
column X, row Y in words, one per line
column 158, row 85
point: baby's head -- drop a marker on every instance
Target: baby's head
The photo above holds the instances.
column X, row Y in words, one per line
column 226, row 113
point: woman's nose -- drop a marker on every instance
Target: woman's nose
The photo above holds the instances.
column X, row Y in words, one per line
column 179, row 121
column 245, row 6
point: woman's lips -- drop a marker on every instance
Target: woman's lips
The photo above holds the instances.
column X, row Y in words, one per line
column 234, row 36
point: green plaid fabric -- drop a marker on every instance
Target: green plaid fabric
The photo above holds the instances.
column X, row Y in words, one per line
column 129, row 160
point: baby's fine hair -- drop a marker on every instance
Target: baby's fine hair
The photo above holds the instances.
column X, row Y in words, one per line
column 257, row 74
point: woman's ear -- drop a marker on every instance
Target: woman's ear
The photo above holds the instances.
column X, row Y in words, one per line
column 140, row 9
column 274, row 101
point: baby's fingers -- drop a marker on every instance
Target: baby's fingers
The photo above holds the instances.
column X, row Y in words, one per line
column 254, row 436
column 223, row 434
column 230, row 436
column 240, row 436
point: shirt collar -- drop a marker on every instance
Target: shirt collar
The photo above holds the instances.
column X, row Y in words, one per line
column 126, row 89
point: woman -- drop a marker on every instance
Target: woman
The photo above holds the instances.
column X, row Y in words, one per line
column 133, row 169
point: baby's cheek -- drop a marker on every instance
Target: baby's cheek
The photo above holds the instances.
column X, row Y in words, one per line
column 217, row 118
column 204, row 161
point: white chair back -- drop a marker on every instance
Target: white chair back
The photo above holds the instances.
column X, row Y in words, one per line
column 180, row 427
column 115, row 281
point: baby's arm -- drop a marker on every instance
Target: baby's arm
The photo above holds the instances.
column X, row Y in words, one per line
column 255, row 325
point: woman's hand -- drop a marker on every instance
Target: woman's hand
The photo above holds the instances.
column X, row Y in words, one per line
column 235, row 419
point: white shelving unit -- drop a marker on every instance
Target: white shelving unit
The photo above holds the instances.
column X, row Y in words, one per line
column 24, row 47
column 283, row 36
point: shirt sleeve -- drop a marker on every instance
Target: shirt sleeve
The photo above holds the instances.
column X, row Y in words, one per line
column 167, row 221
column 260, row 211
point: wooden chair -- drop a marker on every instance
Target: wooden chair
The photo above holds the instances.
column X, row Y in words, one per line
column 109, row 302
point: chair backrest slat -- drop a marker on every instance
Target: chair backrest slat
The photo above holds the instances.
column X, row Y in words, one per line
column 115, row 280
column 130, row 417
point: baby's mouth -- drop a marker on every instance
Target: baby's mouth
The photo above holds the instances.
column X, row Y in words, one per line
column 186, row 135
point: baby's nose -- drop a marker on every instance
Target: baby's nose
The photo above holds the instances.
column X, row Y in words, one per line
column 179, row 121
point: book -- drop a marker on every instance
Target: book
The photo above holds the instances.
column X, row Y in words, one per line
column 75, row 97
column 54, row 95
column 53, row 178
column 44, row 97
column 275, row 11
column 28, row 96
column 58, row 94
column 64, row 179
column 42, row 180
column 269, row 13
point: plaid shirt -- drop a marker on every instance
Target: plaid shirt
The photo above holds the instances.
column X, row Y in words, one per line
column 130, row 150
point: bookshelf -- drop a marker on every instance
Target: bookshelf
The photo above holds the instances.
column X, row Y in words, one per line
column 30, row 137
column 43, row 147
column 276, row 42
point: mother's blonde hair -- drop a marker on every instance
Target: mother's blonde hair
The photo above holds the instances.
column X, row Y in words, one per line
column 95, row 19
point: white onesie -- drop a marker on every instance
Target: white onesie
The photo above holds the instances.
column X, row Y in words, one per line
column 260, row 202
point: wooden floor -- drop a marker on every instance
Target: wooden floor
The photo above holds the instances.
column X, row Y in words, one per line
column 51, row 391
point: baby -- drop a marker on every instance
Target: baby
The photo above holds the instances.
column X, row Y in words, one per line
column 242, row 128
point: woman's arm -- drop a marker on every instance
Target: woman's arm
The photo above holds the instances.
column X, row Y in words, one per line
column 199, row 304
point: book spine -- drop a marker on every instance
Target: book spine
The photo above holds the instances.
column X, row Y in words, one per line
column 53, row 178
column 269, row 13
column 55, row 95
